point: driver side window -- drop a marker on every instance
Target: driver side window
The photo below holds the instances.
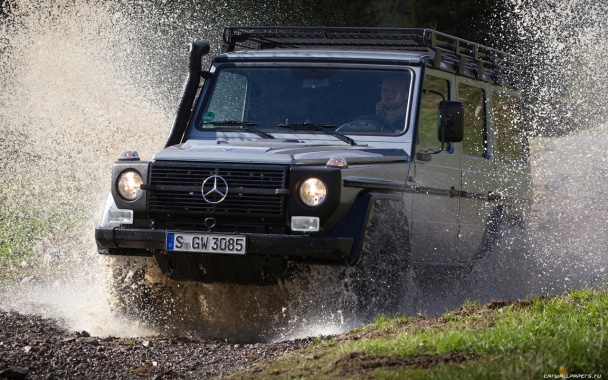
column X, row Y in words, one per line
column 427, row 123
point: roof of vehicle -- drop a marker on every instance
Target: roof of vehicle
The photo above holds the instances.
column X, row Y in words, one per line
column 436, row 49
column 397, row 57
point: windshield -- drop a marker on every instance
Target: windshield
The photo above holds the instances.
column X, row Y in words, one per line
column 353, row 101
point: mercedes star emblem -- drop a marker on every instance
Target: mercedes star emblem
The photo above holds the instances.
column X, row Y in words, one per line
column 214, row 189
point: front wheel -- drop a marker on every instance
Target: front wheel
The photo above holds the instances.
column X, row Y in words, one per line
column 382, row 280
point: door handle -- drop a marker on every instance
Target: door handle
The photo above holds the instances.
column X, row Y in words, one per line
column 493, row 196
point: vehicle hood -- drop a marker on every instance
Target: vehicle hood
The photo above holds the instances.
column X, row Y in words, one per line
column 277, row 152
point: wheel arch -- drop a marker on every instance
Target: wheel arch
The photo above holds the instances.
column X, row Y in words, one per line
column 356, row 222
column 500, row 215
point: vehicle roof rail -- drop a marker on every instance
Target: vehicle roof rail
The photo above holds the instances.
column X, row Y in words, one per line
column 263, row 37
column 446, row 52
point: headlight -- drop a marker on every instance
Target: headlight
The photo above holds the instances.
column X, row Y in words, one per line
column 313, row 192
column 128, row 185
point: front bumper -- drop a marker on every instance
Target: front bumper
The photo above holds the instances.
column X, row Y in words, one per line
column 143, row 242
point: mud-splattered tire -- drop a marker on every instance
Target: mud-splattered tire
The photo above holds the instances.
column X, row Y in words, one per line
column 504, row 234
column 382, row 280
column 499, row 230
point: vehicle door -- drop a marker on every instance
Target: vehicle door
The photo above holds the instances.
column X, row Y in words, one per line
column 479, row 182
column 510, row 151
column 435, row 177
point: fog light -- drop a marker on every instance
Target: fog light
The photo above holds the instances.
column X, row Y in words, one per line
column 119, row 216
column 305, row 223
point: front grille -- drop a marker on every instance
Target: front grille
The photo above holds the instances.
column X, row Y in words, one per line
column 253, row 191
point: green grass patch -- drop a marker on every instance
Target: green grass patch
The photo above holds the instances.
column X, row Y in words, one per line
column 502, row 340
column 21, row 228
column 27, row 218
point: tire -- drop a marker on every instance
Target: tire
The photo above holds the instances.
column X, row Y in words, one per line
column 502, row 268
column 382, row 280
column 503, row 233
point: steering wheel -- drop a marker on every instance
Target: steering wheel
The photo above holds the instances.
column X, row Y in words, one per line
column 367, row 123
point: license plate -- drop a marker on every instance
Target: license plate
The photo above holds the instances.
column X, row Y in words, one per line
column 206, row 243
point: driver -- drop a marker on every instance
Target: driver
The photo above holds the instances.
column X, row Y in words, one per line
column 393, row 101
column 390, row 110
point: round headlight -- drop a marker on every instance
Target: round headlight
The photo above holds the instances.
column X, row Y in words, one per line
column 128, row 185
column 313, row 192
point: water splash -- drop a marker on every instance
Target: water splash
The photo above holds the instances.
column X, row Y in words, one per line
column 83, row 81
column 566, row 44
column 563, row 45
column 68, row 107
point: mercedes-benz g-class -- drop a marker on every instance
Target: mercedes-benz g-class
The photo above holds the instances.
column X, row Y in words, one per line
column 372, row 148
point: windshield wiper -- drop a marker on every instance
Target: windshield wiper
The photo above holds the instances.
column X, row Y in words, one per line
column 319, row 127
column 244, row 125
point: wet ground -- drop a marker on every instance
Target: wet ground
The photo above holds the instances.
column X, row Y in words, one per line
column 35, row 347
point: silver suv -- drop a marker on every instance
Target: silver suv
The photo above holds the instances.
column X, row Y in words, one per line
column 378, row 149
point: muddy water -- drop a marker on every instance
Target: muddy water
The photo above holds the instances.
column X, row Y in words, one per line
column 83, row 81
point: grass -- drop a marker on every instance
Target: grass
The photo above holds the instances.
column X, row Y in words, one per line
column 501, row 340
column 20, row 228
column 25, row 222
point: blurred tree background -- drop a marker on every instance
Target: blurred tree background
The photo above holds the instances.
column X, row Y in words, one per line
column 476, row 20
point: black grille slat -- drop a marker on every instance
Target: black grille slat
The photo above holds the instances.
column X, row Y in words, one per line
column 254, row 191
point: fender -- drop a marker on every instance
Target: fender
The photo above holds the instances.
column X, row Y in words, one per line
column 500, row 215
column 354, row 223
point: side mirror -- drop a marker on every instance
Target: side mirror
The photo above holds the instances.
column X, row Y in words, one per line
column 450, row 122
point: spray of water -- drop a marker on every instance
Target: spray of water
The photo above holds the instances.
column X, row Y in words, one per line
column 83, row 81
column 565, row 64
column 68, row 107
column 570, row 216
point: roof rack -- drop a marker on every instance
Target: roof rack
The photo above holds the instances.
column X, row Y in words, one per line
column 457, row 55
